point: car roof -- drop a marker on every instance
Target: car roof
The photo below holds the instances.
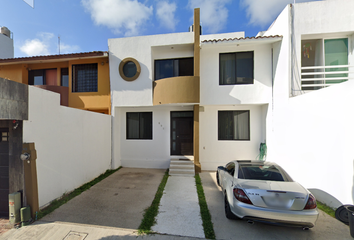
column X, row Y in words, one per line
column 254, row 162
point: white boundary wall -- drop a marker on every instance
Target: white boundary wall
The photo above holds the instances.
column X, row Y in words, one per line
column 313, row 140
column 73, row 146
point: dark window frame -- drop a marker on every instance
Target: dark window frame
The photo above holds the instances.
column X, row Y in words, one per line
column 87, row 86
column 155, row 71
column 236, row 83
column 150, row 135
column 232, row 124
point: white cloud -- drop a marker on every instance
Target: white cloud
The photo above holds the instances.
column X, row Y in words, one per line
column 263, row 12
column 37, row 46
column 213, row 13
column 122, row 16
column 166, row 14
column 46, row 44
column 65, row 48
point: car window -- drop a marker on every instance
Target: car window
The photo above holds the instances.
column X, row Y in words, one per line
column 230, row 168
column 261, row 172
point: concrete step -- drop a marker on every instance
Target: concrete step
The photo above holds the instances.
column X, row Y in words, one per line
column 181, row 162
column 182, row 172
column 181, row 166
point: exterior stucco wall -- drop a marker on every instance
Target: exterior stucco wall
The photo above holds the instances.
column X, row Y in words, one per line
column 211, row 93
column 141, row 153
column 140, row 91
column 313, row 139
column 214, row 152
column 73, row 146
column 6, row 47
column 13, row 100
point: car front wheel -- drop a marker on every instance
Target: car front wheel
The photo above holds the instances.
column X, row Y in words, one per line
column 217, row 179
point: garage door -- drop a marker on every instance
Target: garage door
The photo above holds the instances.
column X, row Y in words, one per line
column 4, row 172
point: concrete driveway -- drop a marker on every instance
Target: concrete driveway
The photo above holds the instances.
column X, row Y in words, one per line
column 326, row 226
column 117, row 201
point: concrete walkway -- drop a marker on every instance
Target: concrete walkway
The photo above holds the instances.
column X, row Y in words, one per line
column 326, row 226
column 179, row 211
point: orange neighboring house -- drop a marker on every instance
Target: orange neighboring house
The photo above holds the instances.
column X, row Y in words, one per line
column 81, row 79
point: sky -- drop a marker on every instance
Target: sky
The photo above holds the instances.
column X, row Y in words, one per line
column 86, row 25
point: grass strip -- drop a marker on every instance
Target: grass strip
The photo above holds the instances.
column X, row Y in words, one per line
column 204, row 211
column 66, row 197
column 152, row 211
column 330, row 211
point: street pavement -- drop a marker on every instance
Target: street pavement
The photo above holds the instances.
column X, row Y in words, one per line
column 327, row 228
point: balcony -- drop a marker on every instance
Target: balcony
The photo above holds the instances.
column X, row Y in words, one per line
column 63, row 91
column 183, row 89
column 317, row 77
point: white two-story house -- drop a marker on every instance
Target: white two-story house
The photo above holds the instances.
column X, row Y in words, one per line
column 186, row 95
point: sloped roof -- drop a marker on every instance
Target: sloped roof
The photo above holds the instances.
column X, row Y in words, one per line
column 242, row 39
column 56, row 57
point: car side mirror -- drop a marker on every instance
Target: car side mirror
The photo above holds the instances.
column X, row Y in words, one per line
column 221, row 168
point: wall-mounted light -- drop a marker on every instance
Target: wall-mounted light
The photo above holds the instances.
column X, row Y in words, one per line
column 25, row 156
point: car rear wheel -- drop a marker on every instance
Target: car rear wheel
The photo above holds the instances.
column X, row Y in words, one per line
column 228, row 212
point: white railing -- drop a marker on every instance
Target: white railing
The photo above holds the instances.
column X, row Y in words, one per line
column 319, row 78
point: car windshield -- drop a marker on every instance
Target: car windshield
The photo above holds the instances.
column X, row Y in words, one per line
column 261, row 172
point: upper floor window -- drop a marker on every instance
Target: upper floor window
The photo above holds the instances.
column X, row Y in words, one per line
column 64, row 81
column 167, row 68
column 323, row 62
column 236, row 68
column 85, row 78
column 234, row 125
column 42, row 77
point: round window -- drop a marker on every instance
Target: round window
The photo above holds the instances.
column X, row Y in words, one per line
column 129, row 69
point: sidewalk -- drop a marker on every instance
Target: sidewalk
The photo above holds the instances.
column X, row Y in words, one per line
column 179, row 211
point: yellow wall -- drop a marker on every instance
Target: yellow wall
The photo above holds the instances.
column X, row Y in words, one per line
column 13, row 72
column 94, row 101
column 99, row 101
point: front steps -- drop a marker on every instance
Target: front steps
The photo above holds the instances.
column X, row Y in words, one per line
column 182, row 167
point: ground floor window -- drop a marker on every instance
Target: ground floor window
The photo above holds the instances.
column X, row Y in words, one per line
column 139, row 125
column 234, row 125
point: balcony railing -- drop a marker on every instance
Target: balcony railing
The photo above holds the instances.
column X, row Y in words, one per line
column 317, row 77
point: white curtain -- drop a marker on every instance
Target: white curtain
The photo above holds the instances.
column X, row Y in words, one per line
column 241, row 125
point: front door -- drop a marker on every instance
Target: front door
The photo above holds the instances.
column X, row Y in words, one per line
column 4, row 172
column 182, row 133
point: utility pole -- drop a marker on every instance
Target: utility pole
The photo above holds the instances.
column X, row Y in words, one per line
column 59, row 43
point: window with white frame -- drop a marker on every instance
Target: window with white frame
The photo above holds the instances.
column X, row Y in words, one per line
column 323, row 62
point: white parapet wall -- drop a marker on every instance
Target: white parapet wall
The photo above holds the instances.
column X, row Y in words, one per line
column 73, row 146
column 313, row 140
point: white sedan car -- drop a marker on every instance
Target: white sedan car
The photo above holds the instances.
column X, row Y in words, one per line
column 263, row 191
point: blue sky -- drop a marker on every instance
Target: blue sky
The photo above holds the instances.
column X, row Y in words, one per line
column 86, row 25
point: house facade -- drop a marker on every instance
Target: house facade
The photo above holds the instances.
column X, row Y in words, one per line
column 81, row 79
column 280, row 89
column 189, row 96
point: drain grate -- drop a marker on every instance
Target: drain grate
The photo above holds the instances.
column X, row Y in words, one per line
column 75, row 236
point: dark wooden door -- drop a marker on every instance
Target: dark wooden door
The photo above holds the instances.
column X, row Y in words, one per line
column 182, row 133
column 4, row 172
